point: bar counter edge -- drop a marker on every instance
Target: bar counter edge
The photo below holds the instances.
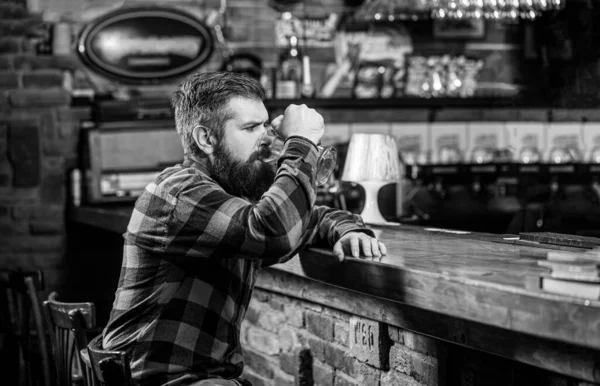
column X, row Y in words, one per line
column 552, row 332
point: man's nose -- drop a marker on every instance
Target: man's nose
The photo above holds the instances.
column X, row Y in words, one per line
column 267, row 136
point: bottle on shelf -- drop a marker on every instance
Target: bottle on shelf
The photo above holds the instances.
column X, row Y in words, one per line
column 290, row 71
column 307, row 89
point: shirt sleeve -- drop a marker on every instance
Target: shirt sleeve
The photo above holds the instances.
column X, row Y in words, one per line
column 327, row 226
column 207, row 222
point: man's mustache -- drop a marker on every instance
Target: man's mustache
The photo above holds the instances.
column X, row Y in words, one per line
column 260, row 154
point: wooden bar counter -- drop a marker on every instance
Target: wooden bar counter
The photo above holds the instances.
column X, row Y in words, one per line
column 469, row 290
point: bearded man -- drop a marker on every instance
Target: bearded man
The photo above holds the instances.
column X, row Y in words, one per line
column 201, row 232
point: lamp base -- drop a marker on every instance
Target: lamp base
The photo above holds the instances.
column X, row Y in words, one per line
column 370, row 212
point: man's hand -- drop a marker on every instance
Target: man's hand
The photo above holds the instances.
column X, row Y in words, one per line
column 353, row 243
column 300, row 120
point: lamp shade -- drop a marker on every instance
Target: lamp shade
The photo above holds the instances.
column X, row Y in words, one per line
column 372, row 157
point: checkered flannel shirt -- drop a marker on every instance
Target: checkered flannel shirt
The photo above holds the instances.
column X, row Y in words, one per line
column 191, row 257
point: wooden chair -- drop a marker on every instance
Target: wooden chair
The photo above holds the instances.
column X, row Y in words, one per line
column 8, row 340
column 24, row 302
column 69, row 323
column 110, row 367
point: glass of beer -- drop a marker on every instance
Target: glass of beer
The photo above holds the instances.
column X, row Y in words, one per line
column 326, row 160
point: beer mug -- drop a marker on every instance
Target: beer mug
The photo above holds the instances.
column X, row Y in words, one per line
column 326, row 160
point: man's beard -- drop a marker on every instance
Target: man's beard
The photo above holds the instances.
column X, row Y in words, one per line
column 249, row 179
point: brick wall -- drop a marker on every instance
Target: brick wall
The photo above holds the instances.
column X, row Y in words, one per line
column 292, row 342
column 38, row 137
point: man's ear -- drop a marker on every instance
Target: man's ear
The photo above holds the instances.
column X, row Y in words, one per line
column 203, row 139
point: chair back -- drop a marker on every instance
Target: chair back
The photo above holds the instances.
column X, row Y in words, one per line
column 68, row 325
column 110, row 367
column 23, row 298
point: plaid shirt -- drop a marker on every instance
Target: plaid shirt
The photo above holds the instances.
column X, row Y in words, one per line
column 191, row 257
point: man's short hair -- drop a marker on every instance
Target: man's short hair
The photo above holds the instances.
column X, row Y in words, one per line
column 202, row 99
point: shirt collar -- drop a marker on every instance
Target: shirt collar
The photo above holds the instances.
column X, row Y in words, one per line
column 195, row 163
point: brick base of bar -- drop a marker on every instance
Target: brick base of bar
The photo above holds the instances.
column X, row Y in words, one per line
column 291, row 341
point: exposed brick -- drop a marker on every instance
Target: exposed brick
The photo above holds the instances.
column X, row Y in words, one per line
column 344, row 380
column 14, row 228
column 47, row 227
column 3, row 140
column 68, row 130
column 277, row 302
column 261, row 296
column 289, row 338
column 262, row 341
column 338, row 357
column 313, row 307
column 24, row 152
column 253, row 312
column 66, row 113
column 12, row 11
column 18, row 27
column 67, row 125
column 53, row 180
column 317, row 347
column 22, row 212
column 270, row 319
column 40, row 98
column 4, row 212
column 33, row 62
column 26, row 244
column 421, row 367
column 287, row 362
column 4, row 104
column 395, row 378
column 341, row 333
column 6, row 62
column 9, row 79
column 366, row 375
column 369, row 341
column 299, row 364
column 54, row 259
column 43, row 79
column 6, row 177
column 394, row 333
column 337, row 314
column 282, row 379
column 294, row 314
column 11, row 45
column 30, row 114
column 48, row 212
column 319, row 325
column 259, row 363
column 48, row 123
column 60, row 147
column 19, row 196
column 322, row 374
column 10, row 260
column 419, row 343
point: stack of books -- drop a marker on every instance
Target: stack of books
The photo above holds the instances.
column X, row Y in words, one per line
column 572, row 273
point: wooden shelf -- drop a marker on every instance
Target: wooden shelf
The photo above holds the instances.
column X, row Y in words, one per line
column 343, row 103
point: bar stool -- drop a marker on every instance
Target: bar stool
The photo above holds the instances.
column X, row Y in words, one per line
column 22, row 293
column 69, row 323
column 110, row 367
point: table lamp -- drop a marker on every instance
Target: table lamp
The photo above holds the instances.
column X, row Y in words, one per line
column 372, row 162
